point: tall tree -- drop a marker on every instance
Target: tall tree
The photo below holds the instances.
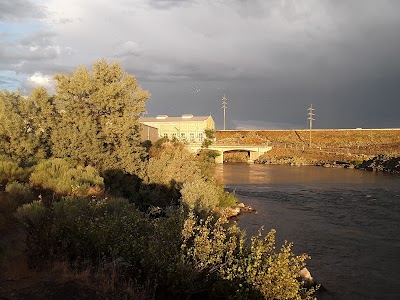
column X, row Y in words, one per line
column 25, row 125
column 99, row 122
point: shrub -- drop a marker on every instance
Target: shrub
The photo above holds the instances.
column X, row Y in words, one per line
column 203, row 196
column 226, row 198
column 63, row 178
column 179, row 253
column 159, row 143
column 240, row 270
column 200, row 195
column 174, row 165
column 10, row 171
column 19, row 192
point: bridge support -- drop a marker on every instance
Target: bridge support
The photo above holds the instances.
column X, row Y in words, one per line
column 254, row 155
column 220, row 158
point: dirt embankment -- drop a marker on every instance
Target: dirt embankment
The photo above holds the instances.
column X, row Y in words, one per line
column 340, row 147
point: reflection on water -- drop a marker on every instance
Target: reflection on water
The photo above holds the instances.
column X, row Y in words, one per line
column 270, row 174
column 347, row 220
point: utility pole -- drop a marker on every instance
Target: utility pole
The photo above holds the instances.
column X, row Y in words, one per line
column 310, row 117
column 224, row 107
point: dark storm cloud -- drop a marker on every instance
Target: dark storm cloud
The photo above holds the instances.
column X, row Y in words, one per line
column 16, row 10
column 272, row 58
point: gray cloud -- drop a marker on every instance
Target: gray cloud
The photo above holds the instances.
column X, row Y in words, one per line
column 166, row 4
column 272, row 58
column 16, row 10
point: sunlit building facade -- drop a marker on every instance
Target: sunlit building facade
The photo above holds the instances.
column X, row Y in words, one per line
column 185, row 128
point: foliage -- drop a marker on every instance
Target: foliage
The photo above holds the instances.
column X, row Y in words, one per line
column 203, row 196
column 254, row 271
column 173, row 166
column 11, row 171
column 100, row 112
column 178, row 253
column 158, row 144
column 210, row 136
column 167, row 170
column 26, row 125
column 19, row 192
column 200, row 195
column 64, row 178
column 226, row 198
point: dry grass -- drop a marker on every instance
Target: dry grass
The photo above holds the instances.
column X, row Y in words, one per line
column 369, row 142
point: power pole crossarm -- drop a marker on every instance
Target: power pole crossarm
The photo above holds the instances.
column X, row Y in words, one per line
column 224, row 107
column 311, row 119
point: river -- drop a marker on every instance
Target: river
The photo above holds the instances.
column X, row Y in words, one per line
column 348, row 221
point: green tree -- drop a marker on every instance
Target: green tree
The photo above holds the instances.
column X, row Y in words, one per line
column 210, row 135
column 99, row 122
column 25, row 124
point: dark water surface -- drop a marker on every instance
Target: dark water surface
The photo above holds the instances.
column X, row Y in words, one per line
column 348, row 221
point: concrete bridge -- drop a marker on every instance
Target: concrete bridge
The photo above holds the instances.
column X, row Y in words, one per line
column 254, row 150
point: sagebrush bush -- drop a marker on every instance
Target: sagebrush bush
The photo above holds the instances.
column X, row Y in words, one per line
column 225, row 198
column 200, row 195
column 174, row 165
column 64, row 178
column 11, row 171
column 19, row 192
column 255, row 271
column 179, row 253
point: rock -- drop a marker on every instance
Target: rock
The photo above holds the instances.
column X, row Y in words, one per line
column 381, row 163
column 232, row 212
column 306, row 277
column 247, row 209
column 309, row 282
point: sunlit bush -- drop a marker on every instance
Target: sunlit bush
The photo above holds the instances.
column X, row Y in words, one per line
column 174, row 164
column 226, row 198
column 248, row 271
column 10, row 171
column 64, row 178
column 200, row 195
column 178, row 253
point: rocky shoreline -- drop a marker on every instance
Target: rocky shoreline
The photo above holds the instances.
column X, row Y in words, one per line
column 381, row 163
column 233, row 212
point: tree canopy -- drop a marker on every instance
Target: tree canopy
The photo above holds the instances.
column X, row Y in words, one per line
column 93, row 118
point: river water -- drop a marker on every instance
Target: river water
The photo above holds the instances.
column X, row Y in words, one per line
column 348, row 221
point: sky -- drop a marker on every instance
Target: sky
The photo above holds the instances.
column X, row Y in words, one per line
column 271, row 58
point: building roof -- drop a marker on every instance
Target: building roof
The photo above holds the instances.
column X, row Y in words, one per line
column 183, row 118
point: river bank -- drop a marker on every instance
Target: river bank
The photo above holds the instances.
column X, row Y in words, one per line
column 294, row 157
column 310, row 157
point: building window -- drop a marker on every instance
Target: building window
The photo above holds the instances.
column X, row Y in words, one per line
column 174, row 136
column 200, row 136
column 192, row 136
column 183, row 136
column 165, row 135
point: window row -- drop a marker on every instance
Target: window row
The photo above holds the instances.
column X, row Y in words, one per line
column 182, row 136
